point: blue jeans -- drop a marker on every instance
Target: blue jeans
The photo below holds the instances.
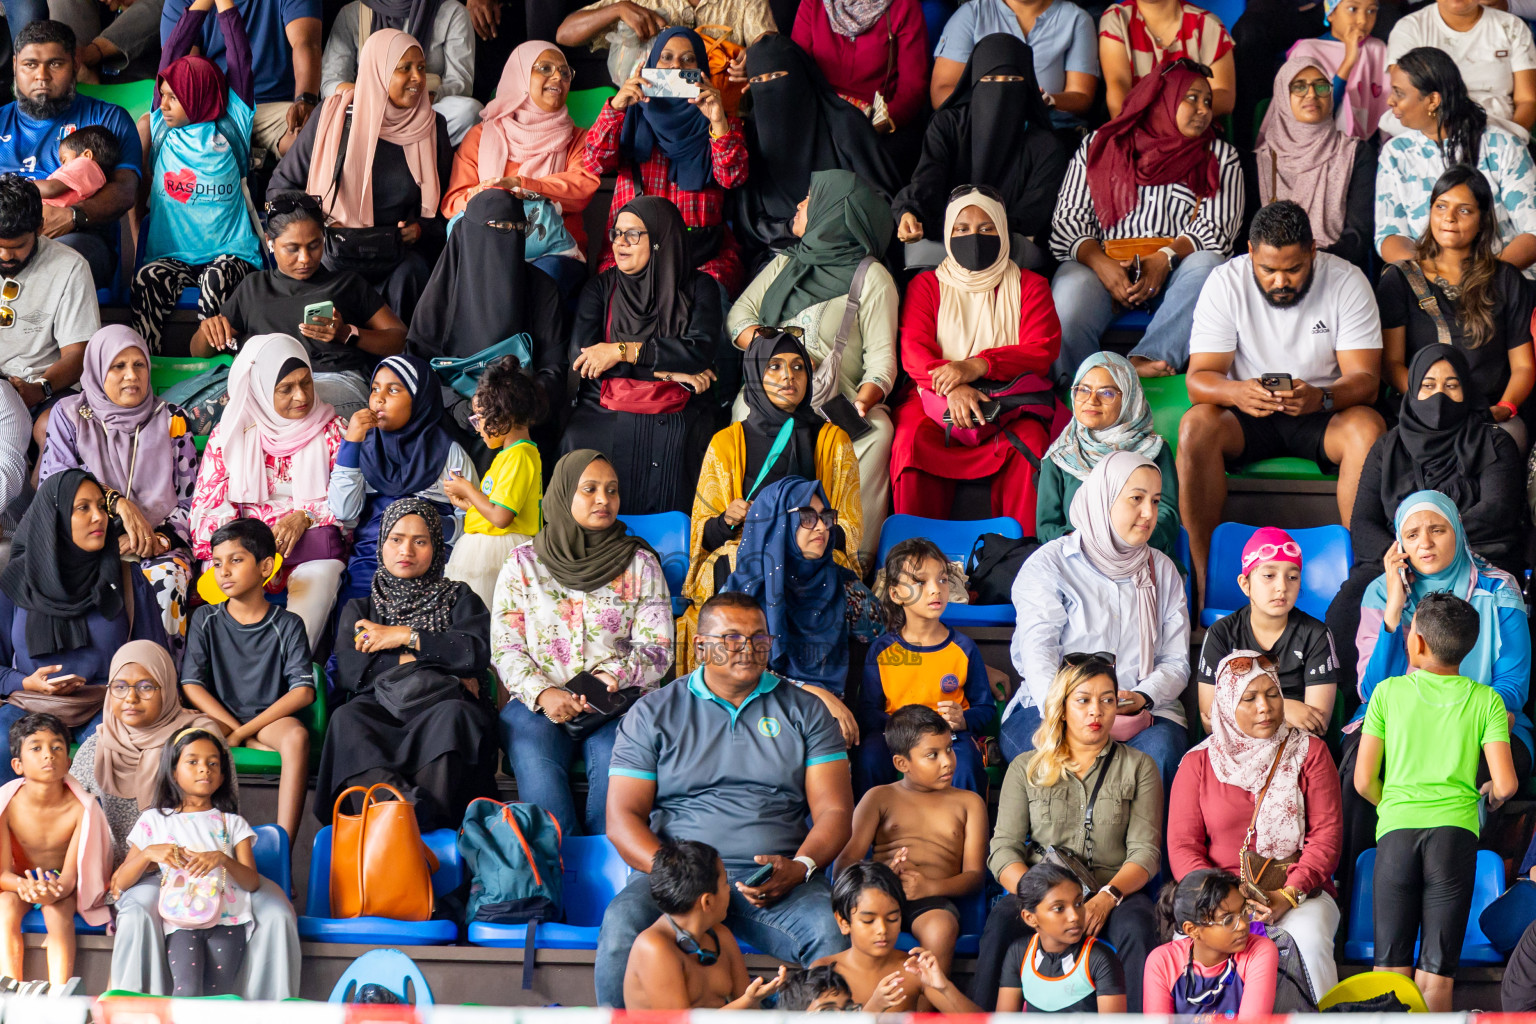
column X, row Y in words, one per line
column 799, row 928
column 10, row 714
column 1086, row 311
column 20, row 13
column 541, row 753
column 872, row 764
column 569, row 273
column 1163, row 741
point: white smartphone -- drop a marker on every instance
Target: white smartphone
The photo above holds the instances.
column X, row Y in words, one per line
column 675, row 83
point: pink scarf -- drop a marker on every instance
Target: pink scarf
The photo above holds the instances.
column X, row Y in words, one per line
column 93, row 853
column 1366, row 89
column 1307, row 163
column 516, row 129
column 1243, row 761
column 251, row 428
column 1109, row 554
column 350, row 201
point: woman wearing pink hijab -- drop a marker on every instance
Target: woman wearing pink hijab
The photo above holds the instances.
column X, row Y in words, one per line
column 527, row 140
column 386, row 171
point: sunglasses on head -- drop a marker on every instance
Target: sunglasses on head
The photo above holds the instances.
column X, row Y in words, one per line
column 287, row 202
column 1082, row 659
column 798, row 333
column 1189, row 64
column 960, row 191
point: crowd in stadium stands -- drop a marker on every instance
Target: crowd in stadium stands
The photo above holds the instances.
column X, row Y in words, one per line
column 661, row 524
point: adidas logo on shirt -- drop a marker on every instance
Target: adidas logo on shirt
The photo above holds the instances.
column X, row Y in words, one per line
column 1321, row 327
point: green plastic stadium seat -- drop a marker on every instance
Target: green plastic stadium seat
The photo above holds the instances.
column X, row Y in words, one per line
column 1169, row 399
column 585, row 104
column 269, row 762
column 135, row 97
column 166, row 371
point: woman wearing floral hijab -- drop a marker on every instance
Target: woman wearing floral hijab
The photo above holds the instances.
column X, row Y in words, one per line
column 1255, row 769
column 1109, row 414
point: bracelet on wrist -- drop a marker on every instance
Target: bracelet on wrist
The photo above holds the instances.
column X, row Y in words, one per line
column 1506, row 404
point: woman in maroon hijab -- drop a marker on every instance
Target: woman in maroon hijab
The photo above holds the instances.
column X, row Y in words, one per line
column 1153, row 183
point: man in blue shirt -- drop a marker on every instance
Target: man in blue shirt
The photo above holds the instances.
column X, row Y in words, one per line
column 285, row 62
column 47, row 109
column 732, row 756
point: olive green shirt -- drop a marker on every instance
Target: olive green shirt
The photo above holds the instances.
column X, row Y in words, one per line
column 1127, row 817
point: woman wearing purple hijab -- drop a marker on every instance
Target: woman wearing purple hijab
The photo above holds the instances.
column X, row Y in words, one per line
column 139, row 448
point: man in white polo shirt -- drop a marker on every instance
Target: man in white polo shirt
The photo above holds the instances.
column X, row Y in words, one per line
column 1284, row 359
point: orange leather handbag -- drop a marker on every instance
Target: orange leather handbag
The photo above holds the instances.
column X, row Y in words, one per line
column 379, row 865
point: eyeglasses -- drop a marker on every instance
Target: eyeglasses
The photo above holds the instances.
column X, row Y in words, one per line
column 546, row 69
column 145, row 689
column 1232, row 922
column 1188, row 64
column 631, row 236
column 506, row 227
column 960, row 191
column 287, row 202
column 1081, row 392
column 809, row 517
column 10, row 291
column 1321, row 87
column 740, row 642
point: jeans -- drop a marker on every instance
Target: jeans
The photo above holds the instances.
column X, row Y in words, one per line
column 10, row 714
column 541, row 753
column 20, row 13
column 1163, row 741
column 346, row 391
column 1086, row 311
column 872, row 764
column 569, row 274
column 798, row 929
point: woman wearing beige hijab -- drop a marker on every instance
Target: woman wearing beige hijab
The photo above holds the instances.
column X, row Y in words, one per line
column 378, row 156
column 118, row 764
column 972, row 324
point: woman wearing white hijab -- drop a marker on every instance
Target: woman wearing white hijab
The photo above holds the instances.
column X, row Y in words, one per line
column 975, row 320
column 1103, row 588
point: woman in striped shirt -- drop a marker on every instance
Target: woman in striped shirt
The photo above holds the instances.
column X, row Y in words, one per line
column 1155, row 181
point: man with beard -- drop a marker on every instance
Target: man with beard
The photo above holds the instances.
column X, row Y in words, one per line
column 47, row 313
column 47, row 109
column 1284, row 359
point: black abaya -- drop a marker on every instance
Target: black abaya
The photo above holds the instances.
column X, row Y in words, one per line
column 442, row 758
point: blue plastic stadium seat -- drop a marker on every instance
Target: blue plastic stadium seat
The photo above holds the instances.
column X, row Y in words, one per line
column 188, row 297
column 668, row 533
column 973, row 918
column 1227, row 10
column 1325, row 561
column 936, row 13
column 955, row 538
column 388, row 968
column 271, row 861
column 1487, row 884
column 594, row 874
column 1131, row 320
column 317, row 925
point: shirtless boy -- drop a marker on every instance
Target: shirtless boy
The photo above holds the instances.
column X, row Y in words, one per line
column 688, row 959
column 38, row 835
column 868, row 905
column 932, row 835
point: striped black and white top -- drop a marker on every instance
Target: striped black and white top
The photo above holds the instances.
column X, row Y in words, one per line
column 1161, row 210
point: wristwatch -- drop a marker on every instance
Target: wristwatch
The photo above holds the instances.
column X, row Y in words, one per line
column 313, row 99
column 810, row 865
column 1327, row 399
column 1172, row 254
column 415, row 641
column 1114, row 894
column 354, row 335
column 78, row 217
column 43, row 383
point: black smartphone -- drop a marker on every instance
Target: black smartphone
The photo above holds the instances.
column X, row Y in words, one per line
column 990, row 407
column 596, row 692
column 1133, row 272
column 758, row 877
column 1277, row 382
column 841, row 413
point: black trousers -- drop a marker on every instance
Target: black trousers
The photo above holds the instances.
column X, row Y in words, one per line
column 1131, row 929
column 1424, row 879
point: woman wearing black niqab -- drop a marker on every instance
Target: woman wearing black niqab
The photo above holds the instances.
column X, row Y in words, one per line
column 796, row 125
column 641, row 327
column 482, row 292
column 994, row 133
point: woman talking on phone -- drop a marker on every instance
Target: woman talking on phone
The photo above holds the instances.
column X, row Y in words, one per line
column 62, row 613
column 1430, row 553
column 345, row 325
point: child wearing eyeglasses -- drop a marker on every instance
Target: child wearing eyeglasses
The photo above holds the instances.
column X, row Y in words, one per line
column 922, row 661
column 1211, row 962
column 503, row 512
column 1298, row 645
column 688, row 959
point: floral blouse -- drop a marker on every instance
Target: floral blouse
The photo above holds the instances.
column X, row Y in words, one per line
column 543, row 634
column 61, row 451
column 211, row 507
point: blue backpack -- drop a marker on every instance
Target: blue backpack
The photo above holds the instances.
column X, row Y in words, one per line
column 512, row 854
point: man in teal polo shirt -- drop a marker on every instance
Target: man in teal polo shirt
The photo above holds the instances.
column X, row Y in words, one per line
column 734, row 757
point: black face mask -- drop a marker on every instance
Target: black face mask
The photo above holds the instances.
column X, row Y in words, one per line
column 1440, row 411
column 975, row 252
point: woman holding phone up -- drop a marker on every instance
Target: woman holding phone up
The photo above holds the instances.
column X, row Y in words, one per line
column 62, row 614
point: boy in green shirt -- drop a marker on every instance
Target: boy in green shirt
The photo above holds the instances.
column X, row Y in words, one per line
column 1432, row 726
